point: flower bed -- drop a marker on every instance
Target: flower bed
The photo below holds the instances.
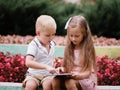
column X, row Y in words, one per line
column 13, row 69
column 60, row 40
column 108, row 70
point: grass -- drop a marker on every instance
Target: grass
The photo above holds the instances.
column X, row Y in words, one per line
column 111, row 51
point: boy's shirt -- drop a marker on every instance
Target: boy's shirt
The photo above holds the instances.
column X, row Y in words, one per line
column 41, row 55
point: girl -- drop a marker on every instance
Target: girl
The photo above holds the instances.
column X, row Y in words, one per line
column 79, row 57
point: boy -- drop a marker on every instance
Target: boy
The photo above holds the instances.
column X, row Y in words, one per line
column 39, row 59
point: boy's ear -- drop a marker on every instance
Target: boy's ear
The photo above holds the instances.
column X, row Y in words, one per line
column 37, row 32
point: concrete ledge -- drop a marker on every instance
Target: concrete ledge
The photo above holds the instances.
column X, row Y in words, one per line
column 108, row 87
column 111, row 51
column 12, row 86
column 18, row 86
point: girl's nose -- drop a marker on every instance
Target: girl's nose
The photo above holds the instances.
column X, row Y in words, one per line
column 73, row 38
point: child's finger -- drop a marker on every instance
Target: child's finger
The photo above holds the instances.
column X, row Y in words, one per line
column 57, row 70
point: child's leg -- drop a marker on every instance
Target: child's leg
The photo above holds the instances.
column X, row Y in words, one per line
column 71, row 84
column 88, row 84
column 47, row 83
column 31, row 85
column 56, row 83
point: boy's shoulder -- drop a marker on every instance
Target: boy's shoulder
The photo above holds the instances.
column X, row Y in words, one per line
column 37, row 43
column 33, row 42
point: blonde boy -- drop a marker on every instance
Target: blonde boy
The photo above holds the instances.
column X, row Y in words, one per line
column 39, row 59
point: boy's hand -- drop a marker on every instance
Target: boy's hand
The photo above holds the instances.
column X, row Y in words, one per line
column 60, row 70
column 51, row 69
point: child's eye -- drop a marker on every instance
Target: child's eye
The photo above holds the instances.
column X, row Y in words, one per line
column 77, row 36
column 47, row 35
column 53, row 35
column 74, row 36
column 71, row 35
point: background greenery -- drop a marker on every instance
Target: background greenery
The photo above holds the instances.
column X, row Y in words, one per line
column 19, row 16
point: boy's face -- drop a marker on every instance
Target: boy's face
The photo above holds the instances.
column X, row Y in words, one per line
column 46, row 36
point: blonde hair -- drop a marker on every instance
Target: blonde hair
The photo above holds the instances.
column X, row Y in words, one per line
column 87, row 54
column 45, row 22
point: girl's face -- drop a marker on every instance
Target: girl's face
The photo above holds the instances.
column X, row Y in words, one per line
column 75, row 35
column 46, row 36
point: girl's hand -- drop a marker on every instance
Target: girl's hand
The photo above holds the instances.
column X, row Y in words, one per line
column 76, row 75
column 60, row 70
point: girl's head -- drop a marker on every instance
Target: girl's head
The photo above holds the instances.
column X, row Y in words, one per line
column 79, row 37
column 77, row 30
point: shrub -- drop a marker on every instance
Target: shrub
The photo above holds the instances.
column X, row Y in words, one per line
column 59, row 40
column 108, row 70
column 103, row 17
column 13, row 69
column 19, row 16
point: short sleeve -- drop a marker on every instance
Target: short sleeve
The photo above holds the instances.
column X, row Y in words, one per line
column 32, row 50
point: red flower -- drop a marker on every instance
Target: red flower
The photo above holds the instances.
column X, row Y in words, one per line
column 2, row 79
column 107, row 72
column 8, row 65
column 1, row 65
column 13, row 69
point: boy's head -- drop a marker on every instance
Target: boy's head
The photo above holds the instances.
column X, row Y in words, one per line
column 45, row 23
column 45, row 29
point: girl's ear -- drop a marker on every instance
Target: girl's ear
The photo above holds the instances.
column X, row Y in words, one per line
column 37, row 32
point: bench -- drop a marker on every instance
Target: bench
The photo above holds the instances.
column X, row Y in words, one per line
column 111, row 51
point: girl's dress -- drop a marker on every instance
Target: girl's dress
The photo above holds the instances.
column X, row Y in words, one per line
column 87, row 83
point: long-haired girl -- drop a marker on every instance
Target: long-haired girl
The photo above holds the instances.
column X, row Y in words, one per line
column 79, row 57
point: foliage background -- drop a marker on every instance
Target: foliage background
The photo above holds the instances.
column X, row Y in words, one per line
column 19, row 16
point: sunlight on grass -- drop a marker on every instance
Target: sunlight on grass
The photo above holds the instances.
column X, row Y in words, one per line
column 112, row 52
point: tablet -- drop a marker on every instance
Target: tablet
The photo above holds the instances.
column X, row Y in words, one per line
column 61, row 74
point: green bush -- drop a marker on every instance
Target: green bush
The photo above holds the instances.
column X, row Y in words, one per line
column 19, row 16
column 104, row 17
column 62, row 12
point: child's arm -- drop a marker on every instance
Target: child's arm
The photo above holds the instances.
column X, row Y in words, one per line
column 81, row 75
column 31, row 63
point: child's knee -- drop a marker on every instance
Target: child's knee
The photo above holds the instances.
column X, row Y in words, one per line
column 71, row 84
column 31, row 84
